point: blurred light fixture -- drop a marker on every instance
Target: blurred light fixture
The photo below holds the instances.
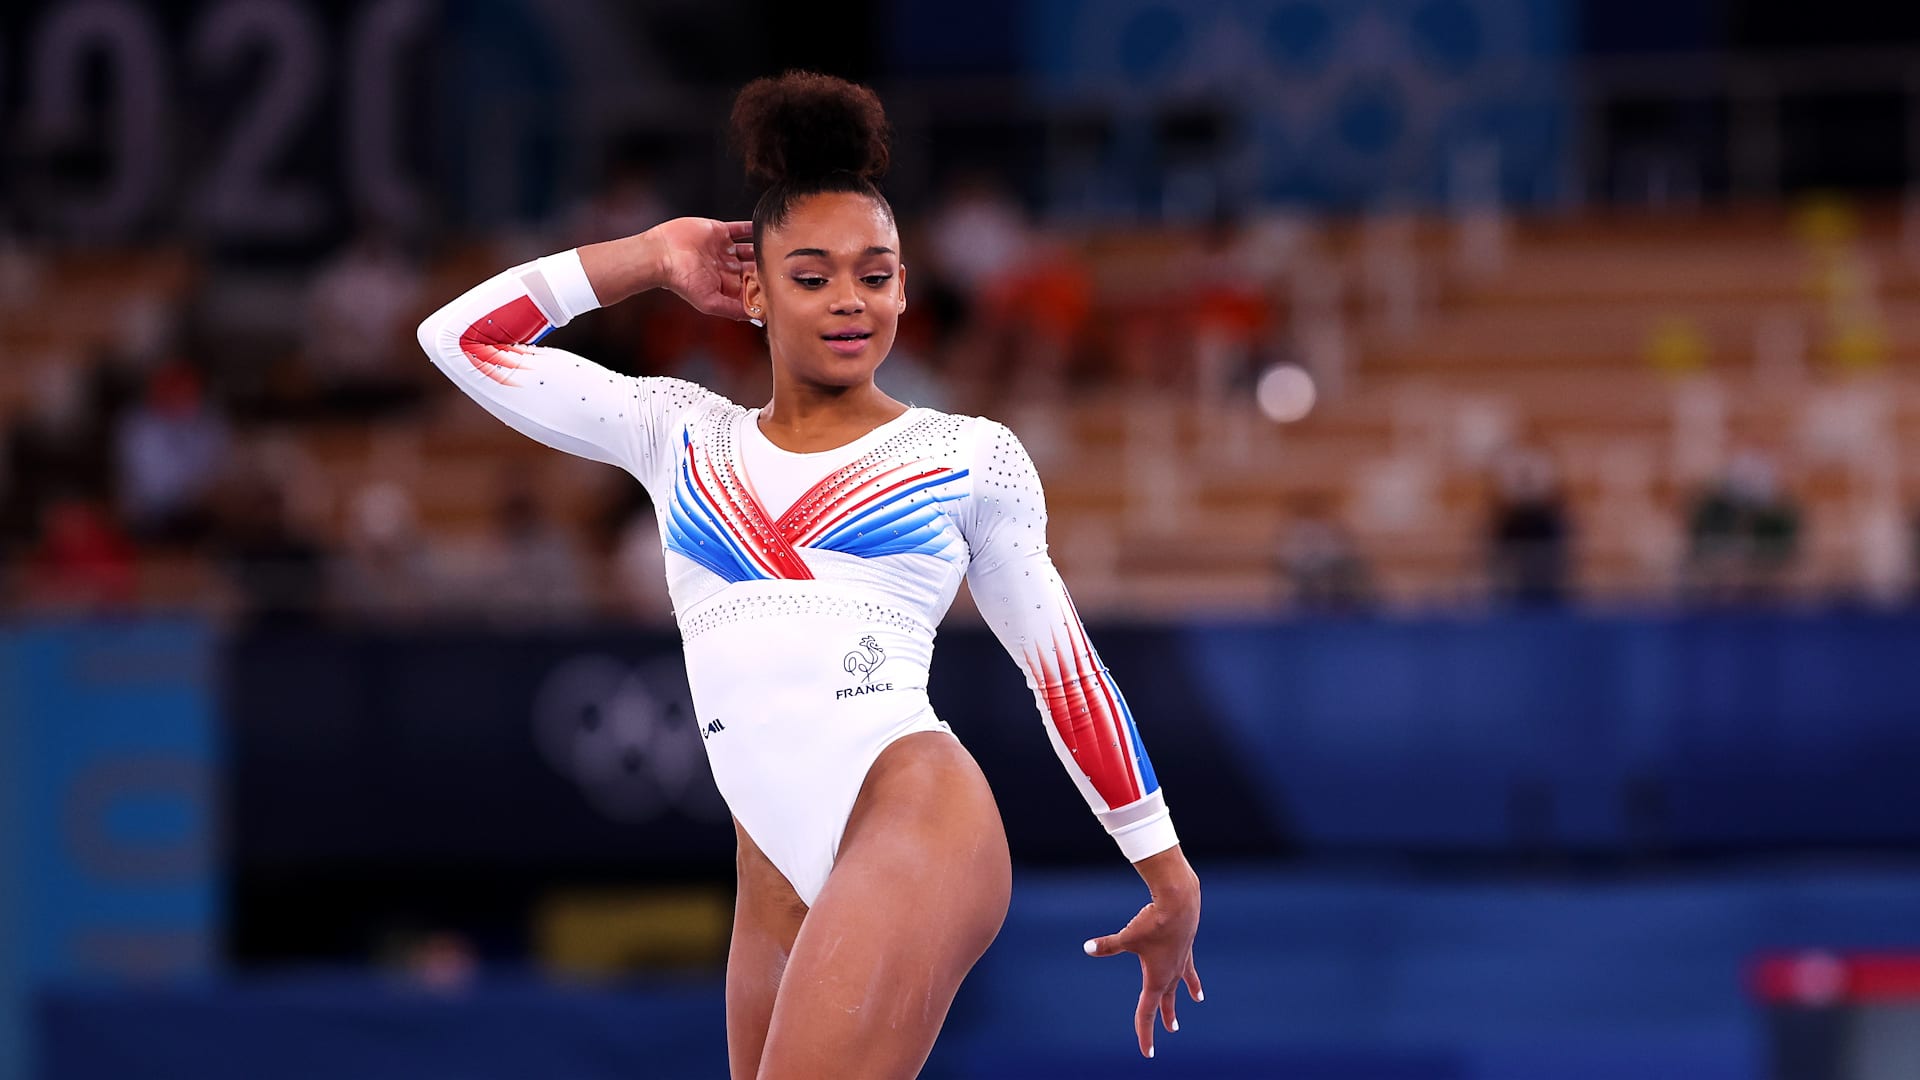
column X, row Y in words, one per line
column 1285, row 393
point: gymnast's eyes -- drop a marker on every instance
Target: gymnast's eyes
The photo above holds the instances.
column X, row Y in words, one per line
column 873, row 281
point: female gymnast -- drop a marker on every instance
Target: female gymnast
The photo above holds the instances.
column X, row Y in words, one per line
column 812, row 545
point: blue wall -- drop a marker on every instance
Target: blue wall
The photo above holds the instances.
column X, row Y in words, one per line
column 1308, row 976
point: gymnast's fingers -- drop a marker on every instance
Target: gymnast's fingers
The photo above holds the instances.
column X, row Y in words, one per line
column 727, row 307
column 1166, row 1010
column 1192, row 979
column 1143, row 1022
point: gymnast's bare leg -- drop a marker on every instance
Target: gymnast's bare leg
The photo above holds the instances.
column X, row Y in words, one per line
column 916, row 895
column 766, row 918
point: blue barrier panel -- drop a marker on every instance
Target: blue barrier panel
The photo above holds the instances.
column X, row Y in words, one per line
column 560, row 748
column 579, row 748
column 1621, row 734
column 107, row 761
column 1504, row 735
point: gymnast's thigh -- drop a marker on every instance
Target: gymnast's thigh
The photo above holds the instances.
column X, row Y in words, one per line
column 767, row 914
column 918, row 891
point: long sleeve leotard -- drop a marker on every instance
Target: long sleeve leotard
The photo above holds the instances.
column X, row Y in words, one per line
column 807, row 587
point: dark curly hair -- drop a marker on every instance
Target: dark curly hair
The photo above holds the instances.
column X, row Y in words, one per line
column 805, row 133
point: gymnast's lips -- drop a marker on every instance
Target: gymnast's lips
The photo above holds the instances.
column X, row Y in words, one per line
column 849, row 341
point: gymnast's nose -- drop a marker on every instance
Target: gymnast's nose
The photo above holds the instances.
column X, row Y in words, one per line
column 848, row 302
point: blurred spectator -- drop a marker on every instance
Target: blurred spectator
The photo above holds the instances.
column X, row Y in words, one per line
column 908, row 376
column 387, row 570
column 361, row 312
column 1229, row 316
column 978, row 235
column 1743, row 534
column 1320, row 562
column 444, row 961
column 627, row 204
column 530, row 570
column 82, row 560
column 20, row 272
column 277, row 568
column 976, row 241
column 1528, row 542
column 171, row 449
column 431, row 957
column 625, row 532
column 1227, row 309
column 640, row 572
column 647, row 333
column 57, row 447
column 1032, row 319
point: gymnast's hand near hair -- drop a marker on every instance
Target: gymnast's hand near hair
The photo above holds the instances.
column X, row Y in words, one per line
column 1162, row 937
column 700, row 260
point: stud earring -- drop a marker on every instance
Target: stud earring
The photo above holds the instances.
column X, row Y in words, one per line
column 755, row 311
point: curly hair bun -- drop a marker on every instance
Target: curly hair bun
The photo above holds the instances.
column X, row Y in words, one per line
column 802, row 127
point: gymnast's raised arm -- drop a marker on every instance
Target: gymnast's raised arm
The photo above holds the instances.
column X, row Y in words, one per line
column 487, row 339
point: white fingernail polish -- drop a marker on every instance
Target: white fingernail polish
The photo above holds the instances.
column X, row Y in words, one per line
column 756, row 322
column 1201, row 996
column 1149, row 1051
column 1089, row 945
column 1175, row 1026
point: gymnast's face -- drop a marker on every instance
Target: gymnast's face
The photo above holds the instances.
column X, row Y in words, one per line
column 831, row 287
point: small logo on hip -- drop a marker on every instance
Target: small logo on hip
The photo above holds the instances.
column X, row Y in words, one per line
column 862, row 662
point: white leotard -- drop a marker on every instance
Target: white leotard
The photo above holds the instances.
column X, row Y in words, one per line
column 807, row 586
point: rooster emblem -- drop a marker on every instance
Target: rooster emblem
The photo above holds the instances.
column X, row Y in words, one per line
column 863, row 665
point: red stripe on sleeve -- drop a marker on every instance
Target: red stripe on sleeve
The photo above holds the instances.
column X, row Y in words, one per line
column 1088, row 727
column 493, row 344
column 1111, row 704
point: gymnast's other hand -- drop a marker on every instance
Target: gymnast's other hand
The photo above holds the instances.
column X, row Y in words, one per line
column 701, row 260
column 1162, row 937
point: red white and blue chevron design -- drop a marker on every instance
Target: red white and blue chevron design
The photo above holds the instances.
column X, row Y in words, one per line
column 872, row 507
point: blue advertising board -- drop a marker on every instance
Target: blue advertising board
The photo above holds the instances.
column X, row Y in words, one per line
column 108, row 843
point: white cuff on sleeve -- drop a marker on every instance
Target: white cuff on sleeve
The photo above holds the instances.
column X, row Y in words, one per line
column 1141, row 829
column 559, row 285
column 1145, row 838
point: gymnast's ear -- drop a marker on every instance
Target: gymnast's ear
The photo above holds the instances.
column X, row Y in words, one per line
column 752, row 296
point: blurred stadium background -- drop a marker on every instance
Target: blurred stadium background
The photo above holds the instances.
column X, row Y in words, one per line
column 1482, row 431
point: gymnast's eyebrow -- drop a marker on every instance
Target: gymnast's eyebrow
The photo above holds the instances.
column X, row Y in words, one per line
column 821, row 252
